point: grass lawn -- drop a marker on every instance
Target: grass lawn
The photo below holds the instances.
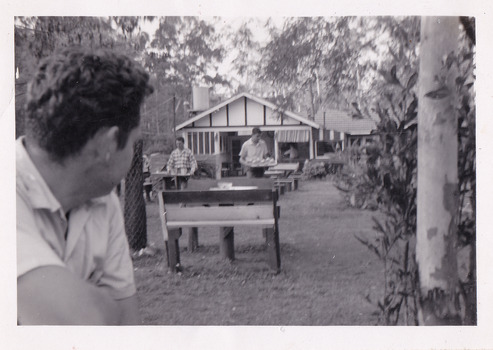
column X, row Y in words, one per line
column 326, row 273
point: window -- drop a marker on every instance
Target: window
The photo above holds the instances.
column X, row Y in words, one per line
column 325, row 149
column 201, row 142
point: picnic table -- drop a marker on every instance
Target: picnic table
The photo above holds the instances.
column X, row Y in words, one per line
column 238, row 202
column 264, row 163
column 163, row 180
column 282, row 169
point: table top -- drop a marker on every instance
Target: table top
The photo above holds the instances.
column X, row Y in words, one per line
column 234, row 188
column 285, row 167
column 261, row 164
column 166, row 174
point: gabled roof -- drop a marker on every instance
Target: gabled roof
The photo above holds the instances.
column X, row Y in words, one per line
column 251, row 97
column 343, row 121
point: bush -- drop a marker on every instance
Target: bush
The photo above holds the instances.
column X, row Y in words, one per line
column 205, row 169
column 314, row 169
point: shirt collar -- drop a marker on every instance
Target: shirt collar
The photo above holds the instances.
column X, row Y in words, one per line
column 30, row 181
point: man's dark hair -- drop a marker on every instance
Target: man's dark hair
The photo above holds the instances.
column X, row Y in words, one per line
column 179, row 138
column 256, row 131
column 76, row 92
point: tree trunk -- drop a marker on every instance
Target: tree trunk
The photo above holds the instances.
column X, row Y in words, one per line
column 437, row 200
column 134, row 207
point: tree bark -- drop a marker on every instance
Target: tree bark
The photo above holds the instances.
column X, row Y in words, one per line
column 437, row 200
column 134, row 208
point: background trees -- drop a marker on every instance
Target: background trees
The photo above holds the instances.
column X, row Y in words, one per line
column 184, row 52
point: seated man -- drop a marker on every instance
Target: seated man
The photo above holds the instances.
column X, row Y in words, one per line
column 254, row 150
column 292, row 152
column 82, row 120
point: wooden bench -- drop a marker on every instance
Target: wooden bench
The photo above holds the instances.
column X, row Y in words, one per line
column 296, row 179
column 273, row 173
column 224, row 209
column 287, row 182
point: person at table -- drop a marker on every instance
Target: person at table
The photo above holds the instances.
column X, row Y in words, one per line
column 292, row 152
column 82, row 121
column 181, row 162
column 253, row 151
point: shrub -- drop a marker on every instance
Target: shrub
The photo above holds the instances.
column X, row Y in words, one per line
column 205, row 169
column 314, row 169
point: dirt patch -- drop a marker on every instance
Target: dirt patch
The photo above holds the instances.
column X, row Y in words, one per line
column 326, row 273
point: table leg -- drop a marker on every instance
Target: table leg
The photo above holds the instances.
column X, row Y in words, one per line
column 273, row 248
column 173, row 249
column 226, row 243
column 193, row 239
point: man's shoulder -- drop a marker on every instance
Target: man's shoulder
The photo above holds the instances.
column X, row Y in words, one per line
column 248, row 142
column 175, row 153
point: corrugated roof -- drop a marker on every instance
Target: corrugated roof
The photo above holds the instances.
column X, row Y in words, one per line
column 342, row 121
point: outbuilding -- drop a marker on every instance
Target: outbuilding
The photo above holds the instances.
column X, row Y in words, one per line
column 216, row 134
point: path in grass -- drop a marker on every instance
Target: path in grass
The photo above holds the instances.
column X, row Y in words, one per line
column 325, row 275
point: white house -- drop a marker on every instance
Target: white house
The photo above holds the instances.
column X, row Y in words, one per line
column 216, row 134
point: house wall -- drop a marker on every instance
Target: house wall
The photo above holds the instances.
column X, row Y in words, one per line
column 271, row 118
column 238, row 117
column 255, row 113
column 219, row 118
column 237, row 112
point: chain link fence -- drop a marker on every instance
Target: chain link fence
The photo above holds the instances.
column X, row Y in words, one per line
column 134, row 207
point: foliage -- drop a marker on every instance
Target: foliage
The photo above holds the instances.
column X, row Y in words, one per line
column 385, row 171
column 205, row 169
column 318, row 62
column 185, row 51
column 310, row 54
column 466, row 221
column 318, row 169
column 38, row 37
column 389, row 167
column 314, row 169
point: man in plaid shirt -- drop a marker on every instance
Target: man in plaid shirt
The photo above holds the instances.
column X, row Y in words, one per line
column 181, row 162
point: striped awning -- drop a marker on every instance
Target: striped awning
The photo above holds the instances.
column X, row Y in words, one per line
column 292, row 135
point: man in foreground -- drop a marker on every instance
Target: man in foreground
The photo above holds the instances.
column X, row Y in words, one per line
column 253, row 151
column 181, row 162
column 83, row 118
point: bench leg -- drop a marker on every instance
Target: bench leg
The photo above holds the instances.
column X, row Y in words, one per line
column 227, row 243
column 273, row 248
column 173, row 249
column 193, row 239
column 295, row 184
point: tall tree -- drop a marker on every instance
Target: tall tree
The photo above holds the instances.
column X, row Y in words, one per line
column 437, row 199
column 184, row 51
column 37, row 37
column 333, row 62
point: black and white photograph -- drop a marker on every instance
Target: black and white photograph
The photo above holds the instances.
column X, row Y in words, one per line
column 209, row 179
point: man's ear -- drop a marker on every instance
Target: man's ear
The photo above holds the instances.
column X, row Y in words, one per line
column 107, row 143
column 112, row 138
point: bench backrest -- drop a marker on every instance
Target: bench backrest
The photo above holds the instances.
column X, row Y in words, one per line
column 222, row 208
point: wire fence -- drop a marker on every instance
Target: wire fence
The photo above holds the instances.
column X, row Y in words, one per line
column 134, row 207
